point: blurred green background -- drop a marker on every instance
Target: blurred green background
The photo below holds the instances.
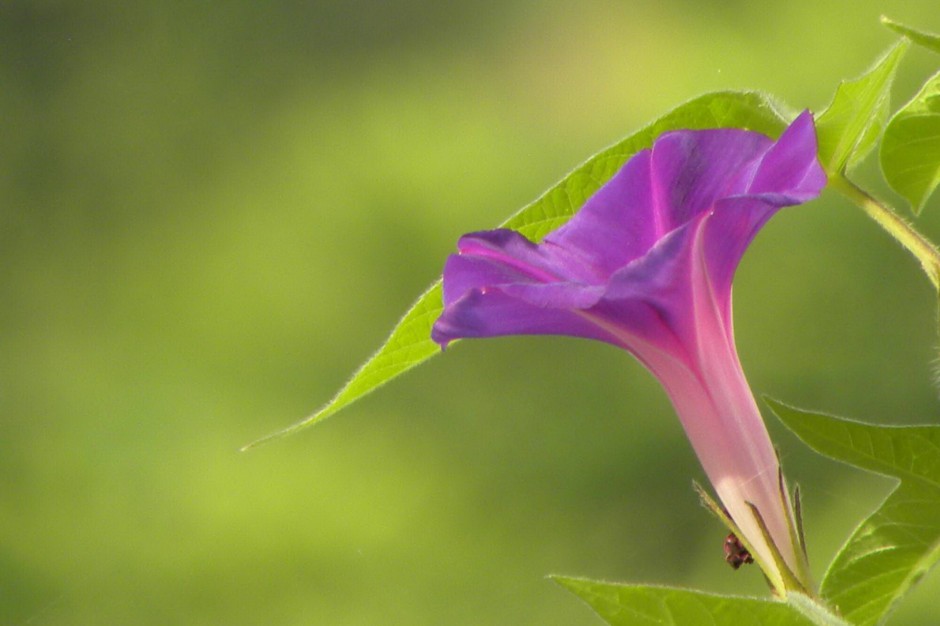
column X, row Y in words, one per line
column 212, row 212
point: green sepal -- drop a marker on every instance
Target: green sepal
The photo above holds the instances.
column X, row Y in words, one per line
column 798, row 514
column 790, row 581
column 719, row 511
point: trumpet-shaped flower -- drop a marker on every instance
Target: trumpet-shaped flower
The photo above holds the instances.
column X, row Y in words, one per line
column 647, row 265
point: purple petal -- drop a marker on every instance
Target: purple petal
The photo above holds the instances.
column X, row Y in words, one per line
column 490, row 312
column 626, row 258
column 790, row 168
column 606, row 235
column 502, row 256
column 693, row 169
column 788, row 174
column 656, row 191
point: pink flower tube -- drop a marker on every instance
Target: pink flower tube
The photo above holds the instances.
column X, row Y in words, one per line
column 647, row 265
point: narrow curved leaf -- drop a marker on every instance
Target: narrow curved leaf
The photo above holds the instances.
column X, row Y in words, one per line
column 894, row 547
column 910, row 150
column 639, row 605
column 927, row 40
column 410, row 342
column 849, row 127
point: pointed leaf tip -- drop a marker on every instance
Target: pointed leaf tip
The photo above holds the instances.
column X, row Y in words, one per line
column 409, row 345
column 924, row 39
column 850, row 126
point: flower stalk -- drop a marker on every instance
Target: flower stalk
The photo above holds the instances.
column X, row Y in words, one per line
column 905, row 233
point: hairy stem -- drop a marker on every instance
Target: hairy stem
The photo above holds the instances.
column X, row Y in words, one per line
column 815, row 611
column 918, row 245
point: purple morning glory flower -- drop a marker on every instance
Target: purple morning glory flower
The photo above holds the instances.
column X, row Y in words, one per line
column 647, row 265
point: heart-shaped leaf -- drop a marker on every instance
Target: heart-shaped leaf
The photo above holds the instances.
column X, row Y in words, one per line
column 892, row 549
column 639, row 605
column 910, row 150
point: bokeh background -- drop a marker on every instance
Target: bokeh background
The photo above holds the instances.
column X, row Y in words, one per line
column 212, row 212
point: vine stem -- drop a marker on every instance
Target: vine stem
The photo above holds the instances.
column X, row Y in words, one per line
column 814, row 611
column 905, row 234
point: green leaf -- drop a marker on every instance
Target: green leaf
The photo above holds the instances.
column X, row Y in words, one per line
column 892, row 549
column 848, row 129
column 927, row 40
column 410, row 342
column 636, row 605
column 910, row 150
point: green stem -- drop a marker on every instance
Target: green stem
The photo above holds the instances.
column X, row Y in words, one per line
column 918, row 245
column 814, row 611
